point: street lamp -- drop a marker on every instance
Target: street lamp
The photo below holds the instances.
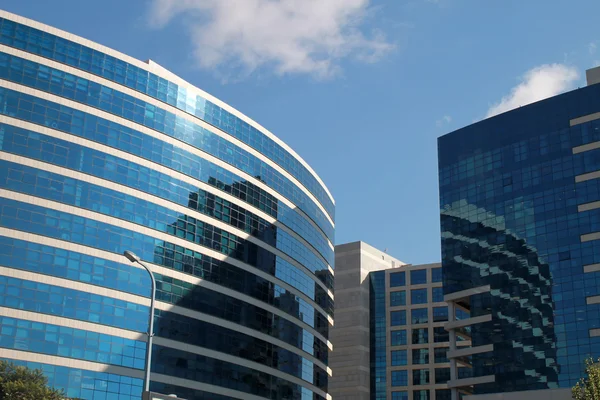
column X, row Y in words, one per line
column 135, row 259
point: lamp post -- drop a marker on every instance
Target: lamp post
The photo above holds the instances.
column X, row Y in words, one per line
column 135, row 259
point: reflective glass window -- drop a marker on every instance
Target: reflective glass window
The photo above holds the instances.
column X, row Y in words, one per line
column 398, row 338
column 437, row 294
column 420, row 376
column 420, row 336
column 399, row 358
column 440, row 355
column 400, row 378
column 397, row 298
column 397, row 279
column 440, row 314
column 421, row 395
column 420, row 356
column 418, row 296
column 398, row 318
column 419, row 316
column 418, row 276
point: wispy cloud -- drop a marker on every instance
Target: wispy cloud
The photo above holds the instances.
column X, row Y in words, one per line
column 537, row 84
column 445, row 120
column 236, row 37
column 592, row 47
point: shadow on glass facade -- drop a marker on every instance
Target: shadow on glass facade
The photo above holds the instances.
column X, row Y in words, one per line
column 515, row 212
column 89, row 170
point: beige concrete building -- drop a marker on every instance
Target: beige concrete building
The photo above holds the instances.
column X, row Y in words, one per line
column 389, row 339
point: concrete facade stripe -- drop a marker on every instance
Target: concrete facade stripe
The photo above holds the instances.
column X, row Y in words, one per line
column 165, row 138
column 239, row 328
column 236, row 360
column 205, row 387
column 585, row 118
column 134, row 192
column 71, row 363
column 161, row 105
column 590, row 236
column 588, row 176
column 146, row 231
column 592, row 300
column 75, row 285
column 461, row 323
column 471, row 381
column 591, row 268
column 161, row 202
column 162, row 72
column 594, row 332
column 466, row 293
column 72, row 323
column 588, row 206
column 43, row 240
column 464, row 352
column 586, row 147
column 65, row 283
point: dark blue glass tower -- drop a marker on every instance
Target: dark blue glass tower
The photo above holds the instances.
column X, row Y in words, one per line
column 101, row 153
column 520, row 219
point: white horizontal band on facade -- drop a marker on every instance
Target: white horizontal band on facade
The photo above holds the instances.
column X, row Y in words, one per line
column 587, row 176
column 167, row 139
column 80, row 212
column 150, row 165
column 591, row 268
column 462, row 323
column 588, row 237
column 466, row 293
column 202, row 351
column 592, row 300
column 72, row 323
column 71, row 363
column 161, row 105
column 168, row 75
column 204, row 387
column 584, row 119
column 471, row 381
column 61, row 244
column 101, row 291
column 588, row 206
column 75, row 285
column 158, row 201
column 586, row 147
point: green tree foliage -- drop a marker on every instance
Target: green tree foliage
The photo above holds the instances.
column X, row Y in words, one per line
column 21, row 383
column 588, row 388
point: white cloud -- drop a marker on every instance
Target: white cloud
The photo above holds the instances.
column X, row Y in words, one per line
column 537, row 84
column 445, row 120
column 592, row 47
column 289, row 36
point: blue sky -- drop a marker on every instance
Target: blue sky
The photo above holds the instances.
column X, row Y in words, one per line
column 360, row 89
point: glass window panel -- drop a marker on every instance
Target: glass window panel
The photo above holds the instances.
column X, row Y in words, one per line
column 398, row 338
column 399, row 357
column 418, row 296
column 418, row 276
column 419, row 316
column 420, row 336
column 398, row 318
column 397, row 279
column 397, row 298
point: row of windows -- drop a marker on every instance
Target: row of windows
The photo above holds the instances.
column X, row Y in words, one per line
column 283, row 269
column 419, row 336
column 65, row 226
column 198, row 368
column 418, row 316
column 419, row 356
column 107, row 201
column 84, row 268
column 378, row 347
column 440, row 394
column 54, row 300
column 417, row 296
column 78, row 123
column 199, row 333
column 417, row 277
column 83, row 384
column 75, row 266
column 93, row 94
column 84, row 58
column 62, row 341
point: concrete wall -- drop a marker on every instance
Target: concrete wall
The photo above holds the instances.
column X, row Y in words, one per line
column 350, row 359
column 593, row 76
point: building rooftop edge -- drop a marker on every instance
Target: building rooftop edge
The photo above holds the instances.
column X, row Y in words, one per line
column 154, row 67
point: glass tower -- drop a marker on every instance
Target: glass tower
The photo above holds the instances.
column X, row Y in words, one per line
column 101, row 153
column 520, row 213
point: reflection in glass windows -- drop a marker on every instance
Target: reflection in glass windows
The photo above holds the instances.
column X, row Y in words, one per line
column 400, row 378
column 440, row 355
column 420, row 356
column 419, row 316
column 398, row 318
column 421, row 395
column 398, row 338
column 399, row 358
column 418, row 276
column 420, row 376
column 420, row 336
column 440, row 314
column 437, row 294
column 397, row 279
column 418, row 296
column 397, row 298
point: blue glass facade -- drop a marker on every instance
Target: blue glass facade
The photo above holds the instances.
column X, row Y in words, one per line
column 518, row 214
column 100, row 154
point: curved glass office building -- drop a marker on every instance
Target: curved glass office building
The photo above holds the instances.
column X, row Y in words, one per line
column 101, row 153
column 520, row 223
